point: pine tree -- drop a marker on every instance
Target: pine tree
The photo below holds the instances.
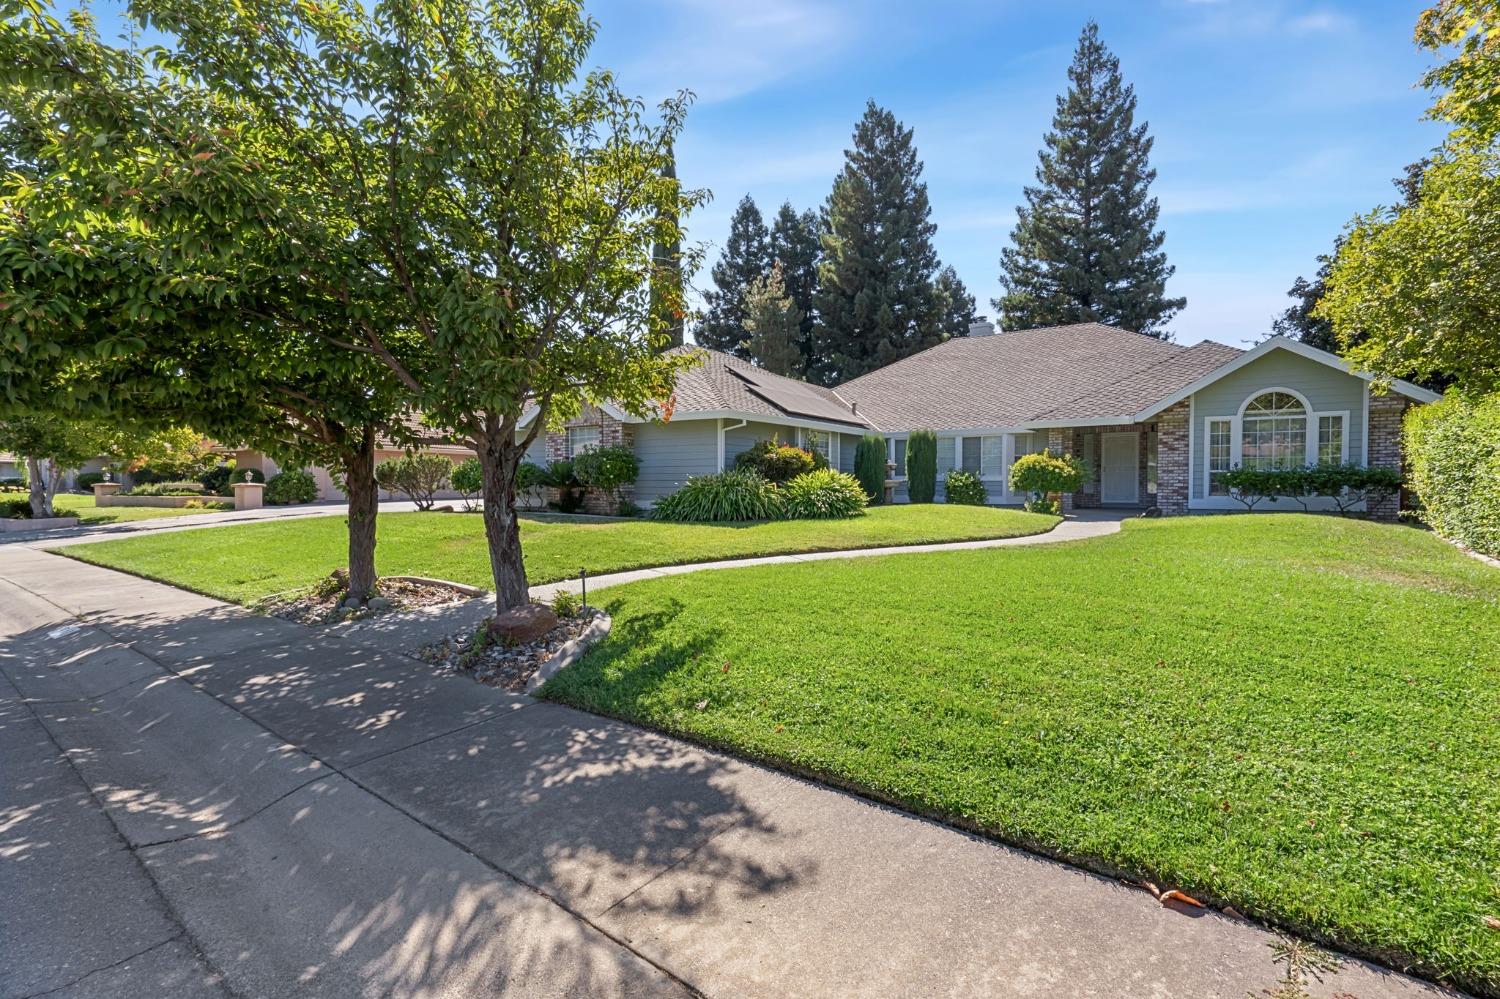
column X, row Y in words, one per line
column 773, row 324
column 796, row 244
column 875, row 300
column 746, row 258
column 954, row 304
column 1085, row 247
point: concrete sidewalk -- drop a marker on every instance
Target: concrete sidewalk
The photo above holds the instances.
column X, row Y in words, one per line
column 199, row 801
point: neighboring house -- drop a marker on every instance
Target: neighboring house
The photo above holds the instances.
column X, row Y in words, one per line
column 1156, row 423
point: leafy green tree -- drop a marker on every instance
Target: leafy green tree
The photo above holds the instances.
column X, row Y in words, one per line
column 746, row 259
column 773, row 324
column 875, row 302
column 954, row 303
column 1085, row 247
column 50, row 445
column 796, row 243
column 666, row 262
column 1467, row 86
column 483, row 217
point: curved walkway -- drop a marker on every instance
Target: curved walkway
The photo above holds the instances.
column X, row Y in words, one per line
column 412, row 629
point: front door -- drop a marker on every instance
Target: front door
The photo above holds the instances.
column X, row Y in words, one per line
column 1120, row 468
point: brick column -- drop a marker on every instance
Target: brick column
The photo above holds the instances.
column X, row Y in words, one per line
column 1386, row 412
column 1173, row 460
column 1060, row 441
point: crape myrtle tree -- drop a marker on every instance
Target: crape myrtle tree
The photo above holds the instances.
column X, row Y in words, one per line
column 497, row 211
column 140, row 280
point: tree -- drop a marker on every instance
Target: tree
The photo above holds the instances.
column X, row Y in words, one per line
column 875, row 301
column 773, row 324
column 796, row 243
column 746, row 258
column 1467, row 86
column 1085, row 247
column 921, row 466
column 869, row 466
column 496, row 213
column 954, row 304
column 666, row 261
column 50, row 446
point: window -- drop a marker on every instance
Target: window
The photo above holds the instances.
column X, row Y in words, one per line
column 896, row 452
column 581, row 439
column 1330, row 440
column 971, row 455
column 820, row 441
column 1273, row 432
column 1219, row 455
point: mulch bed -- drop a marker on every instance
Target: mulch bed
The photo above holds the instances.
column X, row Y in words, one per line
column 509, row 667
column 395, row 595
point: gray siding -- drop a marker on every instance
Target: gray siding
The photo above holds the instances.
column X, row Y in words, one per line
column 670, row 452
column 1326, row 389
column 741, row 439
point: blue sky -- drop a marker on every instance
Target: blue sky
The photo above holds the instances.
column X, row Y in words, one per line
column 1274, row 122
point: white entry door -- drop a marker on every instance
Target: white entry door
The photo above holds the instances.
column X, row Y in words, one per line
column 1119, row 479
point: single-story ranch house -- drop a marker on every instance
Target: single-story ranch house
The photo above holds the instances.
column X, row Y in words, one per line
column 1157, row 423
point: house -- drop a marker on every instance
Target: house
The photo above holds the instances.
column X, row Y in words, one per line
column 1157, row 423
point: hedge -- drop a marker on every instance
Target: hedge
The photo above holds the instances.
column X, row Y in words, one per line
column 1453, row 455
column 921, row 466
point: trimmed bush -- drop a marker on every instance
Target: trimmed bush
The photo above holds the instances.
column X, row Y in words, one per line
column 823, row 495
column 1044, row 474
column 738, row 494
column 921, row 466
column 468, row 481
column 420, row 476
column 1345, row 486
column 220, row 479
column 86, row 481
column 166, row 489
column 15, row 509
column 1453, row 448
column 963, row 487
column 607, row 469
column 291, row 486
column 869, row 466
column 777, row 462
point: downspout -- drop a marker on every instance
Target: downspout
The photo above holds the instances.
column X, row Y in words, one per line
column 722, row 430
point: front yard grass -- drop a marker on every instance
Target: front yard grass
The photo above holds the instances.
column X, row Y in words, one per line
column 246, row 562
column 1296, row 715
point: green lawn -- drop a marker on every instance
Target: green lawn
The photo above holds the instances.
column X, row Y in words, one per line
column 249, row 561
column 82, row 507
column 1296, row 715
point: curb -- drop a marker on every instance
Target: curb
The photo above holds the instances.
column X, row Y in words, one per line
column 570, row 653
column 464, row 588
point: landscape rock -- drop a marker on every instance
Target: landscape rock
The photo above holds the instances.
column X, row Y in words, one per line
column 378, row 604
column 523, row 624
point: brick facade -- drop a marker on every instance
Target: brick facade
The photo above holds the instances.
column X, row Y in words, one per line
column 1386, row 413
column 1173, row 460
column 612, row 433
column 1091, row 451
column 1063, row 441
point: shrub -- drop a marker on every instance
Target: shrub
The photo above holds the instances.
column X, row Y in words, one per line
column 738, row 494
column 963, row 487
column 561, row 476
column 1044, row 474
column 1346, row 486
column 869, row 466
column 85, row 481
column 777, row 462
column 220, row 479
column 166, row 489
column 291, row 486
column 1453, row 447
column 607, row 469
column 1254, row 485
column 420, row 476
column 531, row 479
column 566, row 604
column 921, row 466
column 12, row 482
column 823, row 495
column 468, row 480
column 15, row 509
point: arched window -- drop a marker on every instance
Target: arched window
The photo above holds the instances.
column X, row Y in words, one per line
column 1273, row 432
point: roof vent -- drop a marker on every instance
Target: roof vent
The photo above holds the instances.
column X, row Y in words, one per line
column 982, row 327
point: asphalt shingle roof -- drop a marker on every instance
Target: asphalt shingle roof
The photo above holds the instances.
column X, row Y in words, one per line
column 724, row 382
column 1085, row 371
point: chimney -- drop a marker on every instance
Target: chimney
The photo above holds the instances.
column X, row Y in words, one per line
column 981, row 327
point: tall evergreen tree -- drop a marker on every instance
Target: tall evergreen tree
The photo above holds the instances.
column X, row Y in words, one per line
column 954, row 304
column 773, row 324
column 1085, row 247
column 666, row 275
column 875, row 300
column 747, row 257
column 796, row 243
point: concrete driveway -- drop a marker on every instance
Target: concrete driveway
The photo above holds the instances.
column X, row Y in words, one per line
column 196, row 801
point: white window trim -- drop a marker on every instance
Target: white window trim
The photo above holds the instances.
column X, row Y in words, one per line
column 958, row 456
column 1208, row 501
column 890, row 455
column 833, row 444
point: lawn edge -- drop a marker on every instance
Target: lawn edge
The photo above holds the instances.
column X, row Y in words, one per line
column 1389, row 958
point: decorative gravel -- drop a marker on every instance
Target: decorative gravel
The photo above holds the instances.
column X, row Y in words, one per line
column 499, row 665
column 394, row 595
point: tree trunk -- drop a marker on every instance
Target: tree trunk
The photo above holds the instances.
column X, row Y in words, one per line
column 499, row 457
column 38, row 495
column 364, row 503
